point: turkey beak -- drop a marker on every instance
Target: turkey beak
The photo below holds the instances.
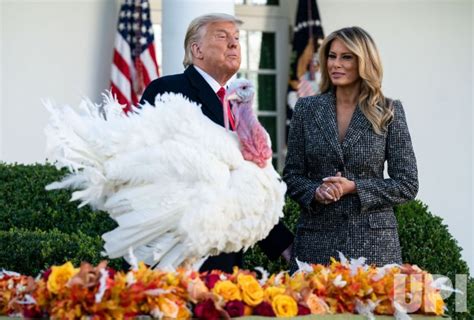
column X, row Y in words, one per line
column 233, row 96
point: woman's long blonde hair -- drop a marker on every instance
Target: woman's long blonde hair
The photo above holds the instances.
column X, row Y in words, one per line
column 372, row 102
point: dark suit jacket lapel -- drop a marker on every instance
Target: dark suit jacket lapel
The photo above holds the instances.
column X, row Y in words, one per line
column 325, row 116
column 206, row 96
column 358, row 125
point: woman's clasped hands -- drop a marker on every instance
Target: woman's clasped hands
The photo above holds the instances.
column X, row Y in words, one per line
column 333, row 188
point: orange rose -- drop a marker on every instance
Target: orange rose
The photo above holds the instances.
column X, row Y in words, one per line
column 316, row 304
column 196, row 289
column 248, row 311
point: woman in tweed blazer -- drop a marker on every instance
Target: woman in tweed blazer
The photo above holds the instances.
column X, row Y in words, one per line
column 338, row 144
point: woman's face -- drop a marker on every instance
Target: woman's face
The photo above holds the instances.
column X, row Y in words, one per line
column 342, row 65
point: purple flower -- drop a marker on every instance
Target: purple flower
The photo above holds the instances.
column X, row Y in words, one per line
column 211, row 280
column 302, row 310
column 264, row 309
column 234, row 308
column 206, row 310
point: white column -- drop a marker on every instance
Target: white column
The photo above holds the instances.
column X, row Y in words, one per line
column 2, row 97
column 176, row 16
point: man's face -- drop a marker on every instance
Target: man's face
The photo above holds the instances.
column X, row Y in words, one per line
column 218, row 51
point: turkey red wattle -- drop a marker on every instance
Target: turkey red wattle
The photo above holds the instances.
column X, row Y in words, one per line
column 252, row 136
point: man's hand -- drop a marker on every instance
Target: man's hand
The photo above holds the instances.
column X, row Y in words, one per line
column 287, row 253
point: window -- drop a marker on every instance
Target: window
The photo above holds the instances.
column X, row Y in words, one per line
column 265, row 61
column 259, row 66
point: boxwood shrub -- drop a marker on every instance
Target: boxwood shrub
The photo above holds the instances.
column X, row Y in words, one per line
column 40, row 228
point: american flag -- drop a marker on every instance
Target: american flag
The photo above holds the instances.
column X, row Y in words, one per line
column 307, row 37
column 134, row 62
column 307, row 88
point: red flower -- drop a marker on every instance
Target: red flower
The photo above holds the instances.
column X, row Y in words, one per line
column 211, row 280
column 111, row 272
column 302, row 310
column 206, row 310
column 234, row 308
column 32, row 312
column 264, row 309
column 46, row 274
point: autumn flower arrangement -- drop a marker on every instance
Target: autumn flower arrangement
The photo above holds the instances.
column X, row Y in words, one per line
column 66, row 292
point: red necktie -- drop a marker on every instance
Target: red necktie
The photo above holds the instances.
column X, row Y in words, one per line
column 221, row 93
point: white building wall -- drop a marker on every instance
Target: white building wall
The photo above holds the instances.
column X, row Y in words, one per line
column 59, row 49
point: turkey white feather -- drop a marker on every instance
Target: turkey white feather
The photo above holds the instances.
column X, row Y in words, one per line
column 178, row 185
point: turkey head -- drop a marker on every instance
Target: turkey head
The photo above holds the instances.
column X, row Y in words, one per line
column 254, row 141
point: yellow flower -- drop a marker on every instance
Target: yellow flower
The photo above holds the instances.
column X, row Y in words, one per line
column 271, row 292
column 433, row 303
column 284, row 306
column 227, row 290
column 171, row 279
column 298, row 281
column 252, row 293
column 59, row 277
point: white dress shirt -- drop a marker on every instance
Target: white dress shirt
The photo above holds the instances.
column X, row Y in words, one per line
column 211, row 81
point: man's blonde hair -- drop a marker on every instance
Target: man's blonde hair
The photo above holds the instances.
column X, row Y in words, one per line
column 197, row 29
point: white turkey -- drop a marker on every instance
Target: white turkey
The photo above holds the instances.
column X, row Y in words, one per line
column 178, row 185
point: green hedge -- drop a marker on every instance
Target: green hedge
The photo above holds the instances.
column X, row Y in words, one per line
column 30, row 251
column 39, row 228
column 426, row 242
column 24, row 203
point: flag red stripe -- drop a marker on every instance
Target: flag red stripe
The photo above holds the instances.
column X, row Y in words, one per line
column 149, row 70
column 141, row 71
column 134, row 58
column 120, row 97
column 121, row 64
column 134, row 98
